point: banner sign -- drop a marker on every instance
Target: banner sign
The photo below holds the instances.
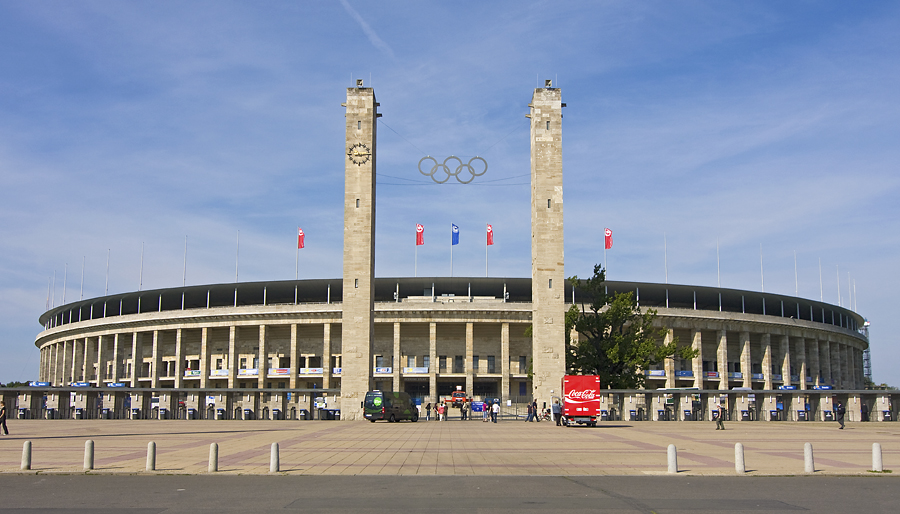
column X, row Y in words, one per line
column 218, row 373
column 80, row 384
column 279, row 372
column 416, row 370
column 383, row 370
column 251, row 372
column 789, row 388
column 656, row 372
column 336, row 371
column 192, row 373
column 38, row 384
column 712, row 374
column 684, row 373
column 115, row 384
column 311, row 371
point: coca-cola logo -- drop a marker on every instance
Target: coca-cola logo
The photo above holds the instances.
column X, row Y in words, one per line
column 587, row 394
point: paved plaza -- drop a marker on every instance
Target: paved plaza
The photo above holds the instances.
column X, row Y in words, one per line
column 447, row 448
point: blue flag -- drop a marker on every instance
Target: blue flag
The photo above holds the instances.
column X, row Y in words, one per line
column 454, row 230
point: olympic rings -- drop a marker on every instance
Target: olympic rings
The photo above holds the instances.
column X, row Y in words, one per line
column 456, row 170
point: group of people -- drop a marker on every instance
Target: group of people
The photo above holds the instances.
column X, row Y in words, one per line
column 839, row 412
column 534, row 414
column 442, row 409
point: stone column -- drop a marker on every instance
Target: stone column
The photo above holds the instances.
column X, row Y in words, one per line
column 179, row 360
column 800, row 347
column 669, row 362
column 295, row 361
column 767, row 361
column 137, row 358
column 76, row 361
column 88, row 360
column 156, row 360
column 814, row 362
column 722, row 358
column 845, row 367
column 697, row 362
column 117, row 358
column 746, row 360
column 504, row 361
column 101, row 360
column 395, row 367
column 204, row 358
column 358, row 325
column 825, row 348
column 263, row 357
column 547, row 261
column 232, row 357
column 432, row 361
column 326, row 356
column 785, row 360
column 835, row 352
column 470, row 358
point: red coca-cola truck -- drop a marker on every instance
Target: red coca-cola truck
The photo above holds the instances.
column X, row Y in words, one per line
column 581, row 402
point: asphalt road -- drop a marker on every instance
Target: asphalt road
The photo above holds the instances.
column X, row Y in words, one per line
column 201, row 494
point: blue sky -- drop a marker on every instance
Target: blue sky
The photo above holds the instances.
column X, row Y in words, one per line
column 751, row 123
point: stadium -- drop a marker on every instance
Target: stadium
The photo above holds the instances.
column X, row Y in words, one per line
column 301, row 348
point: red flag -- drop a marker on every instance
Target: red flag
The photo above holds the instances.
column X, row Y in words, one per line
column 608, row 234
column 420, row 234
column 490, row 235
column 299, row 237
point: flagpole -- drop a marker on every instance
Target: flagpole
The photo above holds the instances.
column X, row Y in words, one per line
column 485, row 253
column 666, row 257
column 796, row 280
column 416, row 263
column 106, row 287
column 821, row 288
column 451, row 250
column 141, row 275
column 81, row 292
column 66, row 276
column 718, row 267
column 762, row 276
column 237, row 256
column 184, row 267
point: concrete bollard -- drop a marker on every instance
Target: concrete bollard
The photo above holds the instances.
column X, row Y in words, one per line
column 213, row 458
column 809, row 464
column 274, row 464
column 877, row 463
column 739, row 466
column 673, row 459
column 88, row 455
column 151, row 456
column 26, row 455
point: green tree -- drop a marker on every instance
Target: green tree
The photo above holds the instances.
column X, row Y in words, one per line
column 615, row 339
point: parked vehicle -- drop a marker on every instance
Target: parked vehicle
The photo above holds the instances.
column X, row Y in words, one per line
column 581, row 403
column 390, row 405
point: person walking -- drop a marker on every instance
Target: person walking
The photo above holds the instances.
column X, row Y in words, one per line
column 465, row 411
column 495, row 410
column 720, row 419
column 486, row 411
column 428, row 412
column 839, row 411
column 530, row 416
column 534, row 409
column 3, row 417
column 556, row 410
column 440, row 409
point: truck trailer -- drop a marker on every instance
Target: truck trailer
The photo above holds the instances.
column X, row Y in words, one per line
column 581, row 403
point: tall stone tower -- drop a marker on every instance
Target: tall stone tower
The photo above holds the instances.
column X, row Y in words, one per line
column 547, row 273
column 359, row 250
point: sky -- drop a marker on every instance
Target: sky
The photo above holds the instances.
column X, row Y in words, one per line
column 768, row 130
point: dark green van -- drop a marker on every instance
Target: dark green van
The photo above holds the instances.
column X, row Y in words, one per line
column 389, row 405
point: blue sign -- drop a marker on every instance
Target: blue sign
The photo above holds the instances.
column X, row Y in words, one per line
column 790, row 388
column 822, row 387
column 115, row 384
column 477, row 406
column 38, row 384
column 80, row 384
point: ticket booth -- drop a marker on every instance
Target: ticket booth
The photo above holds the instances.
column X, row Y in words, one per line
column 273, row 404
column 883, row 408
column 166, row 405
column 31, row 404
column 140, row 405
column 194, row 404
column 57, row 404
column 85, row 403
column 246, row 405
